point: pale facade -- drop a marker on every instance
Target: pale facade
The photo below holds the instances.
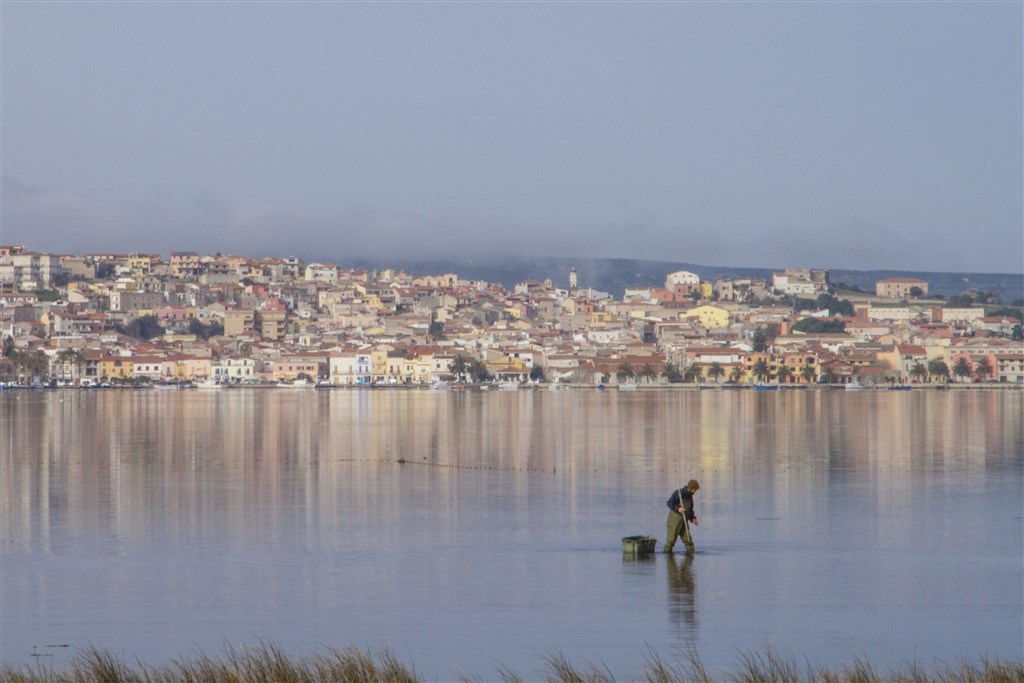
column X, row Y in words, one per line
column 350, row 369
column 682, row 282
column 899, row 287
column 710, row 317
column 233, row 369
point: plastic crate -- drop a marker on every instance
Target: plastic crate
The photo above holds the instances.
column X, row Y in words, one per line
column 639, row 545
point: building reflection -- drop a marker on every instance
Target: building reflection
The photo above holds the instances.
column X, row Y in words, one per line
column 137, row 464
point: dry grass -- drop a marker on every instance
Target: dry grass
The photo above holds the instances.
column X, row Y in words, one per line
column 266, row 663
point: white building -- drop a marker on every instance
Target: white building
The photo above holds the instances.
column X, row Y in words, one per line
column 682, row 282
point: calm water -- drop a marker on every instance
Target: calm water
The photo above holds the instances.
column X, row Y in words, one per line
column 878, row 524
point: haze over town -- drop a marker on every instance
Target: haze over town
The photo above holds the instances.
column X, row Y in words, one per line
column 844, row 135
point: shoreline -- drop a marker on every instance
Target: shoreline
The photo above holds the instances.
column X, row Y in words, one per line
column 267, row 661
column 988, row 386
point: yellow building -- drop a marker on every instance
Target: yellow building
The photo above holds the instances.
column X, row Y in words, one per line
column 710, row 317
column 111, row 367
column 140, row 264
column 379, row 363
column 238, row 321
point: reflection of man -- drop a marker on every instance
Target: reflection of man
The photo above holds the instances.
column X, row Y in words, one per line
column 682, row 604
column 681, row 514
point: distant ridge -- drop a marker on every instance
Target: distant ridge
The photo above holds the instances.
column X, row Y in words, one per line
column 614, row 275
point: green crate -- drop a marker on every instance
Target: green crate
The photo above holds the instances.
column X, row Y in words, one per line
column 639, row 545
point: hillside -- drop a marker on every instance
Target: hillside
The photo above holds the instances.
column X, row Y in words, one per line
column 615, row 275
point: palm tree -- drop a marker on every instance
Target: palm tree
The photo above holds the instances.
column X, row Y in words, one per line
column 983, row 368
column 625, row 371
column 963, row 367
column 761, row 370
column 736, row 376
column 647, row 372
column 31, row 364
column 72, row 358
column 807, row 372
column 919, row 372
column 830, row 376
column 670, row 372
column 692, row 374
column 477, row 369
column 938, row 368
column 784, row 374
column 715, row 371
column 458, row 368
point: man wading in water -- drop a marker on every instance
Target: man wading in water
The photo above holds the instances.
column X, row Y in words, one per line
column 681, row 513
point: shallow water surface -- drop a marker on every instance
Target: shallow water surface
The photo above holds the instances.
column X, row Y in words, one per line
column 472, row 531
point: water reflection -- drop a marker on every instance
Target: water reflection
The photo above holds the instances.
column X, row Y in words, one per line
column 682, row 590
column 358, row 517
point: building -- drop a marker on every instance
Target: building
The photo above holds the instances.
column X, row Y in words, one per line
column 710, row 317
column 900, row 287
column 185, row 265
column 28, row 270
column 808, row 282
column 682, row 283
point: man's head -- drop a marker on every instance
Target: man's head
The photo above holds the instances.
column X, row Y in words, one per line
column 692, row 485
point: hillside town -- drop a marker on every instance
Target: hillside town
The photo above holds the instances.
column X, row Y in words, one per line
column 110, row 319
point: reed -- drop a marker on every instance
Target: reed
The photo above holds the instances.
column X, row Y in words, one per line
column 266, row 663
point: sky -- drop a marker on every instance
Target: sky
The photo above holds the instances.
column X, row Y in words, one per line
column 775, row 134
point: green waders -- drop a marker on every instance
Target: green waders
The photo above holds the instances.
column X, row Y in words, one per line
column 677, row 527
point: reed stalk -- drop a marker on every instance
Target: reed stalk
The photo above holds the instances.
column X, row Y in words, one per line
column 267, row 663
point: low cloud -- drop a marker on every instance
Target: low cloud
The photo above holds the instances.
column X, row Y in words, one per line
column 61, row 222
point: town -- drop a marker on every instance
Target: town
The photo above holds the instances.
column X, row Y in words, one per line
column 193, row 320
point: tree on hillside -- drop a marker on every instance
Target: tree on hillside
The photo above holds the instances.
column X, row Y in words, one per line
column 213, row 329
column 817, row 326
column 834, row 305
column 760, row 340
column 143, row 328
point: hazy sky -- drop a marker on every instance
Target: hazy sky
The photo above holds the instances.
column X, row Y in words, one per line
column 840, row 135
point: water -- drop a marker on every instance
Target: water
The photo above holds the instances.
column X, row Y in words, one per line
column 883, row 525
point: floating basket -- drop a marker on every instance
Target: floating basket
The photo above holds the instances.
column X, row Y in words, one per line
column 639, row 545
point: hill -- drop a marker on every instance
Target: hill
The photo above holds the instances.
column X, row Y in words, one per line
column 615, row 275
